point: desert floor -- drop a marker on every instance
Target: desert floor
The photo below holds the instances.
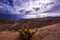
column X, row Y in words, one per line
column 48, row 28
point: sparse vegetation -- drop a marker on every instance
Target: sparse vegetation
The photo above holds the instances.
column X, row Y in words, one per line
column 26, row 33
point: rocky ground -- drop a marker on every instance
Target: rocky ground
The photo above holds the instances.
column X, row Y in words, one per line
column 48, row 28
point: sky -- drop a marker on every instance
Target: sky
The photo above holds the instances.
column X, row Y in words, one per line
column 29, row 7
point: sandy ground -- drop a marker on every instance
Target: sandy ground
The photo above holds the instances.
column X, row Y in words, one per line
column 8, row 35
column 48, row 28
column 51, row 32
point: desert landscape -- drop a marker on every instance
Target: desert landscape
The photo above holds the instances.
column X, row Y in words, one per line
column 29, row 19
column 47, row 28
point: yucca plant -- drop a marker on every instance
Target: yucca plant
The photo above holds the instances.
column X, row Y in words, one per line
column 26, row 33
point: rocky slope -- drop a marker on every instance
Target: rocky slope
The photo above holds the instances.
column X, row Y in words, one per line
column 51, row 32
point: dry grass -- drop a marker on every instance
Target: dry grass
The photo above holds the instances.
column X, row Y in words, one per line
column 14, row 25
